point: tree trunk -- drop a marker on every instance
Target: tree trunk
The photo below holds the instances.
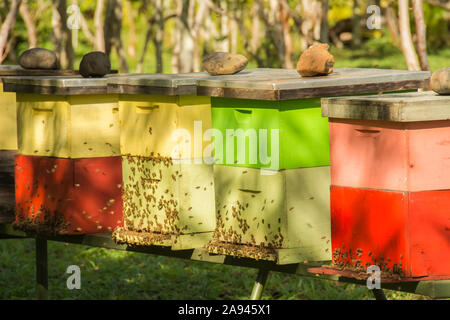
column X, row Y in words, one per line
column 356, row 26
column 176, row 51
column 224, row 45
column 324, row 27
column 405, row 34
column 255, row 42
column 132, row 31
column 233, row 35
column 186, row 58
column 8, row 25
column 112, row 28
column 99, row 44
column 85, row 28
column 421, row 34
column 62, row 37
column 10, row 50
column 392, row 23
column 444, row 4
column 148, row 36
column 197, row 33
column 275, row 28
column 158, row 39
column 284, row 17
column 310, row 27
column 31, row 26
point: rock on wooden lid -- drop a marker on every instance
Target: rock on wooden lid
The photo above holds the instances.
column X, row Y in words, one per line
column 396, row 107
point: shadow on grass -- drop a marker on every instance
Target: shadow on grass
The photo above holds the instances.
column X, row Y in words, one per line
column 111, row 274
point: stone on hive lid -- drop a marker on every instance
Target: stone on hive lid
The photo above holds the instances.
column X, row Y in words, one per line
column 315, row 61
column 218, row 63
column 38, row 58
column 440, row 81
column 95, row 64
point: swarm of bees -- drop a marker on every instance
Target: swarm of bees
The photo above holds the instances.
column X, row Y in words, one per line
column 123, row 236
column 151, row 205
column 235, row 232
column 43, row 221
column 347, row 260
column 258, row 252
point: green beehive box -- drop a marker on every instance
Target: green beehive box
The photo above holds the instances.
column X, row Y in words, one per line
column 166, row 203
column 282, row 216
column 297, row 135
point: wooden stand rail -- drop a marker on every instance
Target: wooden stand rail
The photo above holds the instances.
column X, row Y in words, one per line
column 433, row 289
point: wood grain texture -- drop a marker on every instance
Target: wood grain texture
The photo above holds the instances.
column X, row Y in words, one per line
column 137, row 89
column 287, row 94
column 398, row 107
column 10, row 87
column 40, row 72
column 37, row 72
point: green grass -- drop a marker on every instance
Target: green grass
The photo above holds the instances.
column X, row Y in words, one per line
column 112, row 274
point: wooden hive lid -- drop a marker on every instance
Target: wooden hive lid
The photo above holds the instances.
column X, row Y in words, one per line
column 397, row 107
column 285, row 84
column 155, row 83
column 57, row 85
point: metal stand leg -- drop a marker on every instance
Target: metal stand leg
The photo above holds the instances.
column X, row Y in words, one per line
column 41, row 269
column 379, row 294
column 259, row 284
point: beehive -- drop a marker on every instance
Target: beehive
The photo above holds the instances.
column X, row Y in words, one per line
column 8, row 144
column 296, row 133
column 272, row 215
column 171, row 126
column 68, row 196
column 166, row 203
column 8, row 116
column 270, row 119
column 73, row 126
column 8, row 120
column 168, row 187
column 69, row 170
column 390, row 161
column 8, row 138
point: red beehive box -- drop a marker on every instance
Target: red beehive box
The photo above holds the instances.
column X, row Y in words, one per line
column 390, row 176
column 406, row 233
column 68, row 196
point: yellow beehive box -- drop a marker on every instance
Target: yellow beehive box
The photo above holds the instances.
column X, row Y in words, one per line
column 168, row 126
column 8, row 120
column 282, row 216
column 167, row 203
column 68, row 126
